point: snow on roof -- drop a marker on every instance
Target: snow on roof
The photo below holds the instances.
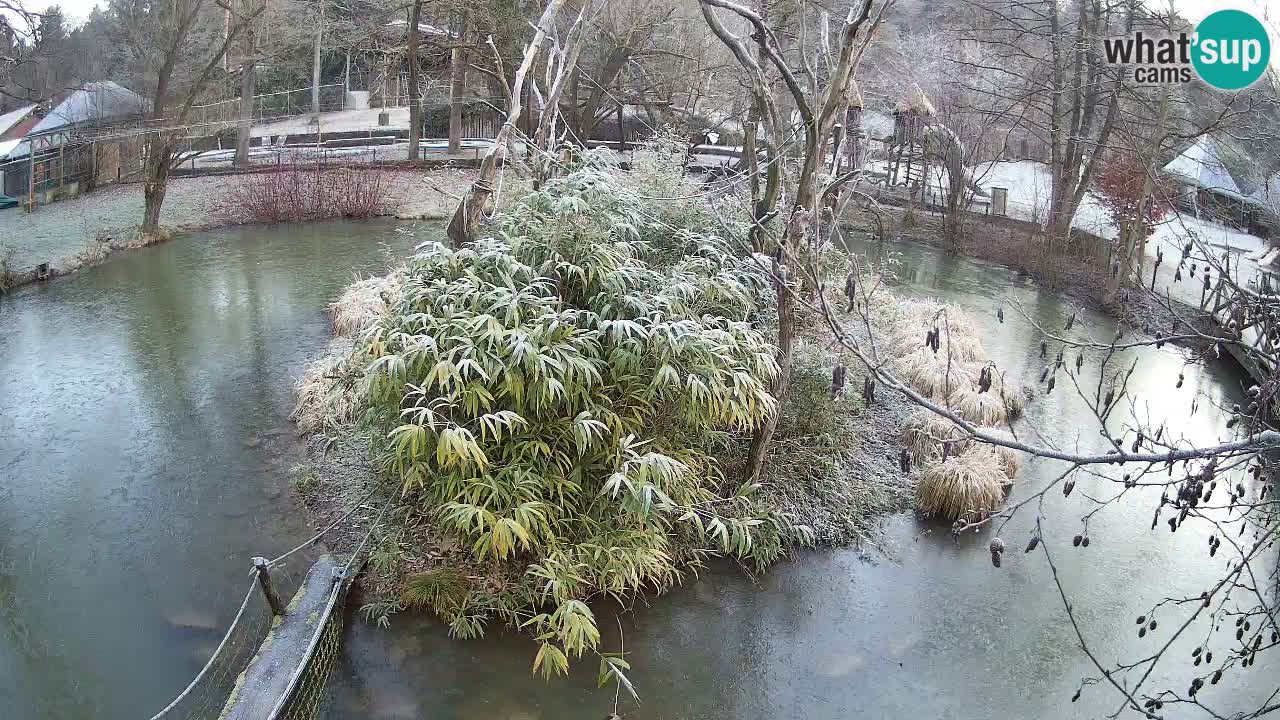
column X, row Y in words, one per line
column 94, row 101
column 14, row 117
column 422, row 27
column 1201, row 166
column 7, row 146
column 917, row 101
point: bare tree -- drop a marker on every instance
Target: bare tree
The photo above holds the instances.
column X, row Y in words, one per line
column 458, row 81
column 176, row 47
column 415, row 99
column 248, row 86
column 819, row 105
column 475, row 202
column 1047, row 58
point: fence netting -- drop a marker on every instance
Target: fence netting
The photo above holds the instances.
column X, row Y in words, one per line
column 205, row 697
column 308, row 695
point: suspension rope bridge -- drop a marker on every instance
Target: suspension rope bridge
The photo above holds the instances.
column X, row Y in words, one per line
column 274, row 661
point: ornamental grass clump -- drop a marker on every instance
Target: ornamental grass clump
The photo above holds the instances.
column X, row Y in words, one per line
column 932, row 374
column 558, row 404
column 968, row 486
column 364, row 302
column 936, row 352
column 929, row 436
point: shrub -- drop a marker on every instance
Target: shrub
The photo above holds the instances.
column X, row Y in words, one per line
column 297, row 193
column 557, row 402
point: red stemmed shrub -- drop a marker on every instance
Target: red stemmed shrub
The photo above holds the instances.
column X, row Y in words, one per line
column 298, row 193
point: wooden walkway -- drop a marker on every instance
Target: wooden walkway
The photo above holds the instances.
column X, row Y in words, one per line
column 265, row 690
column 1248, row 316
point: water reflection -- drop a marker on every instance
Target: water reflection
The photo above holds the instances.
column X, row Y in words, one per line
column 925, row 629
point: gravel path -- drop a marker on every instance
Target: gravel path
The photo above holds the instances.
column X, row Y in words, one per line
column 59, row 232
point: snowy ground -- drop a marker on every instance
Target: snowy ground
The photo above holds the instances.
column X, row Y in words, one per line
column 1028, row 184
column 341, row 121
column 277, row 155
column 56, row 233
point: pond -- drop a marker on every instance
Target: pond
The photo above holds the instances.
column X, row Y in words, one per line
column 146, row 447
column 922, row 627
column 146, row 452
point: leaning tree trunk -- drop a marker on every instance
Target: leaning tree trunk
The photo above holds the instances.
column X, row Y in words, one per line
column 475, row 202
column 415, row 103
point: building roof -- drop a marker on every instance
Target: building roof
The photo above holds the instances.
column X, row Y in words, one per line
column 916, row 101
column 94, row 101
column 1201, row 165
column 13, row 117
column 423, row 28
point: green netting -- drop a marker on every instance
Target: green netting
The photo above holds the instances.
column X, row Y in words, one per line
column 309, row 694
column 205, row 697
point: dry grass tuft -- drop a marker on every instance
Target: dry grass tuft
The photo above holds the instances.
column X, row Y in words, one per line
column 969, row 486
column 364, row 302
column 1010, row 460
column 329, row 395
column 913, row 319
column 981, row 408
column 1015, row 403
column 931, row 375
column 924, row 432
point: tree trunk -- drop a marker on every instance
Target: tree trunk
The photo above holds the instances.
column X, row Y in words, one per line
column 545, row 137
column 785, row 294
column 1119, row 268
column 248, row 86
column 764, row 200
column 415, row 103
column 475, row 203
column 155, row 184
column 457, row 86
column 315, row 63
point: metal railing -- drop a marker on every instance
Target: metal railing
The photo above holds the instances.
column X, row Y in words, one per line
column 270, row 106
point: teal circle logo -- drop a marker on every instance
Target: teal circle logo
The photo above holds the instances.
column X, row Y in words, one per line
column 1231, row 49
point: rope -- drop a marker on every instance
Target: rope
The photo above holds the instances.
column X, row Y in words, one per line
column 315, row 538
column 360, row 548
column 217, row 651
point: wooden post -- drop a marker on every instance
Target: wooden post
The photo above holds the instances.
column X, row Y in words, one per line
column 31, row 176
column 264, row 581
column 622, row 133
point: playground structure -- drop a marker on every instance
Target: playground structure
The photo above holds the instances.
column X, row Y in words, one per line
column 920, row 148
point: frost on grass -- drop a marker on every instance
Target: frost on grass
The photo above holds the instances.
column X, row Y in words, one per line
column 959, row 478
